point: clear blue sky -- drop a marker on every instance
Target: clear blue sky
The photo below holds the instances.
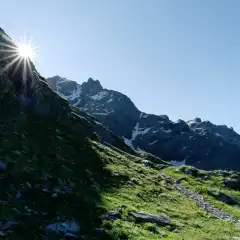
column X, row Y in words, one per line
column 174, row 57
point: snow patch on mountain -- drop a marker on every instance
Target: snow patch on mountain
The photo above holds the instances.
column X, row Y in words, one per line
column 108, row 111
column 59, row 87
column 153, row 142
column 128, row 142
column 135, row 132
column 110, row 100
column 99, row 95
column 100, row 113
column 177, row 163
column 75, row 93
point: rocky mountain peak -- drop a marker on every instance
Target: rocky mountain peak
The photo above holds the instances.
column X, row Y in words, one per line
column 202, row 143
column 197, row 120
column 92, row 86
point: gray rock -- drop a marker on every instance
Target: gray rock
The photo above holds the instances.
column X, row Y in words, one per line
column 232, row 183
column 111, row 215
column 114, row 213
column 178, row 181
column 222, row 197
column 151, row 218
column 148, row 163
column 64, row 227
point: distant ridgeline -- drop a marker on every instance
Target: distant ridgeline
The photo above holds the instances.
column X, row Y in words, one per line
column 198, row 143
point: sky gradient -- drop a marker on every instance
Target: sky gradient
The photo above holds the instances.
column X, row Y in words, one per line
column 174, row 57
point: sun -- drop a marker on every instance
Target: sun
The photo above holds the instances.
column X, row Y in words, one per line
column 19, row 56
column 25, row 50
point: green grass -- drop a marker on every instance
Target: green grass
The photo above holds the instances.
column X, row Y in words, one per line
column 152, row 193
column 202, row 186
column 101, row 178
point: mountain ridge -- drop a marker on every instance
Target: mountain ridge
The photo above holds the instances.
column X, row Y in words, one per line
column 199, row 143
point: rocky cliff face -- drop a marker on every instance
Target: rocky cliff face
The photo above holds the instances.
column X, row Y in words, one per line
column 198, row 143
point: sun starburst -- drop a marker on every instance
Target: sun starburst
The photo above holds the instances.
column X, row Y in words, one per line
column 18, row 53
column 26, row 48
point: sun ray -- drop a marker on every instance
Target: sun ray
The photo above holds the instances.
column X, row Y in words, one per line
column 18, row 57
column 8, row 65
column 9, row 57
column 8, row 45
column 30, row 67
column 17, row 66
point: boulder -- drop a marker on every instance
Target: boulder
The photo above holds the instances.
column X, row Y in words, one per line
column 222, row 197
column 151, row 218
column 232, row 183
column 111, row 215
column 147, row 163
column 178, row 181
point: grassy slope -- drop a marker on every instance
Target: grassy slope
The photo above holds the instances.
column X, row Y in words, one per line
column 95, row 178
column 99, row 179
column 152, row 193
column 203, row 185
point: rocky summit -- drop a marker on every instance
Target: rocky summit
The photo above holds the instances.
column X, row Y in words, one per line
column 198, row 143
column 65, row 175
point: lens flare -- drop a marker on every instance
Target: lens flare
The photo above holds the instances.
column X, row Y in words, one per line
column 17, row 54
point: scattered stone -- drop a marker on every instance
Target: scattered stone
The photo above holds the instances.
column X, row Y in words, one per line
column 119, row 174
column 114, row 213
column 111, row 215
column 178, row 181
column 64, row 227
column 147, row 163
column 151, row 218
